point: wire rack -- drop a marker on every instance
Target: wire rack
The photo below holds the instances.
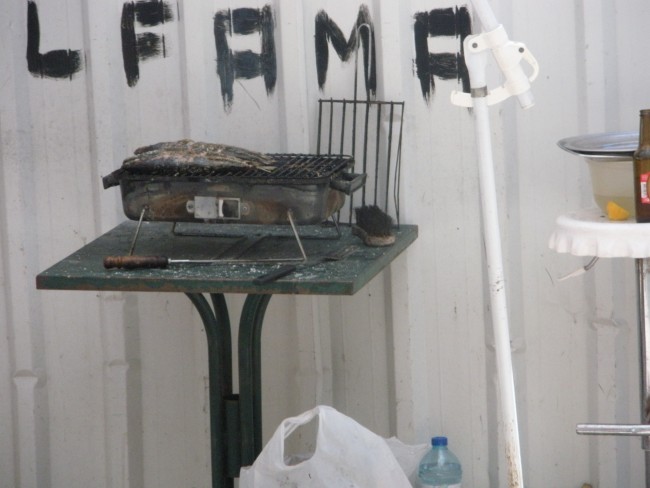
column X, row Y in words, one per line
column 371, row 132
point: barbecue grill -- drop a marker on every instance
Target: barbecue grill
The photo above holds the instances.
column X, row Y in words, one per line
column 305, row 188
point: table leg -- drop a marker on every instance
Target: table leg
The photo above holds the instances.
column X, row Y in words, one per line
column 217, row 329
column 250, row 376
column 643, row 319
column 643, row 280
column 235, row 420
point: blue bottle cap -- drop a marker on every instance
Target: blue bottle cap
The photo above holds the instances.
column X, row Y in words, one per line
column 439, row 441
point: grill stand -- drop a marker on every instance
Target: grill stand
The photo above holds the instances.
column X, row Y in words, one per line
column 235, row 419
column 302, row 258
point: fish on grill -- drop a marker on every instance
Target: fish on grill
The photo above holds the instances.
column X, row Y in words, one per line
column 185, row 156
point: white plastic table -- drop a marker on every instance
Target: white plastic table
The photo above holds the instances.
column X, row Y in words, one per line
column 590, row 233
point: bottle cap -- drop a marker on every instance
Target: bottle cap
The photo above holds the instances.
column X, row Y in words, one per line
column 439, row 441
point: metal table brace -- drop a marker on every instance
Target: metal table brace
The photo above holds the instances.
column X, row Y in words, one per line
column 235, row 419
column 643, row 429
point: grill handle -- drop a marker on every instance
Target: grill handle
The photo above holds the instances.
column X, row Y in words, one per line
column 348, row 183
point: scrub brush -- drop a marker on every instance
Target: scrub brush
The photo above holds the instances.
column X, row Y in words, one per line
column 373, row 226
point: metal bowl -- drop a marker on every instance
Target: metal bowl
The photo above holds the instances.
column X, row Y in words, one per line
column 606, row 145
column 609, row 157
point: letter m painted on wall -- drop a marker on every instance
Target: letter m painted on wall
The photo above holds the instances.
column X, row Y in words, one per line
column 446, row 22
column 326, row 31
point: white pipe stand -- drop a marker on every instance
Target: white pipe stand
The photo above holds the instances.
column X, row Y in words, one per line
column 508, row 56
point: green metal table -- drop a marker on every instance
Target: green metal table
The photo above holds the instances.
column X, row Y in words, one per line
column 235, row 419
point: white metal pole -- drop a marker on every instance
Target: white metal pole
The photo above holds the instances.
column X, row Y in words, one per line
column 485, row 14
column 477, row 66
column 498, row 299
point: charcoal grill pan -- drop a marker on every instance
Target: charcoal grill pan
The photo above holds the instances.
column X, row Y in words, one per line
column 312, row 187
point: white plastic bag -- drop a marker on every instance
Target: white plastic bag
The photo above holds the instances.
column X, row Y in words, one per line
column 408, row 456
column 346, row 455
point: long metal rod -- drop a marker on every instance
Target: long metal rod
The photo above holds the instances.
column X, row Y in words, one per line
column 614, row 429
column 365, row 151
column 377, row 139
column 643, row 307
column 320, row 120
column 329, row 145
column 342, row 145
column 137, row 230
column 371, row 102
column 296, row 235
column 498, row 300
column 398, row 166
column 388, row 154
column 477, row 64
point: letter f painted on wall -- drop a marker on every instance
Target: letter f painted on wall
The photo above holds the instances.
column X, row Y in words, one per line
column 446, row 22
column 137, row 46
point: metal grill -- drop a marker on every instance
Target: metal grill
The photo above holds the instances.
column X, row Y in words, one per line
column 371, row 132
column 285, row 166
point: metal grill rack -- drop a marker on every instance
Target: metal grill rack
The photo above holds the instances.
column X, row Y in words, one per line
column 299, row 166
column 371, row 132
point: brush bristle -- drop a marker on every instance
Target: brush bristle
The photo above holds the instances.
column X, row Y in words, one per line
column 374, row 220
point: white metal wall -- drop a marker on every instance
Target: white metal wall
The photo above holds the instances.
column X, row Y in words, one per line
column 109, row 389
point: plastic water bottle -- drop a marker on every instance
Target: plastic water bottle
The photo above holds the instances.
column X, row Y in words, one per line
column 440, row 467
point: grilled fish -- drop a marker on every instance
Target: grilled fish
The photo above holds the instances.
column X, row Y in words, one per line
column 187, row 156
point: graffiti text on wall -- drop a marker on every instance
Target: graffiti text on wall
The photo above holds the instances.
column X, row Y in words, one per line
column 363, row 33
column 142, row 45
column 244, row 64
column 60, row 63
column 446, row 66
column 140, row 42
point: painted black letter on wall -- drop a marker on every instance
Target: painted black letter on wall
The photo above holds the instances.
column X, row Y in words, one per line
column 327, row 30
column 244, row 64
column 447, row 66
column 145, row 45
column 61, row 63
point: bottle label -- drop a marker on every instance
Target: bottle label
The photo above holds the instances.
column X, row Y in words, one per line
column 643, row 181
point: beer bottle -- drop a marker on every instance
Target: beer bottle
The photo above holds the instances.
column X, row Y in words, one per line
column 642, row 170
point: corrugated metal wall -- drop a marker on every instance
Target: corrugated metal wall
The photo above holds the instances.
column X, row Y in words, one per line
column 109, row 389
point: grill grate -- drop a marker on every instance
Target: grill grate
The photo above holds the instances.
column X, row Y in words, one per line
column 304, row 166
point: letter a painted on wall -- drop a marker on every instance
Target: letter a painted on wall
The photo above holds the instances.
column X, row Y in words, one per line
column 60, row 63
column 244, row 64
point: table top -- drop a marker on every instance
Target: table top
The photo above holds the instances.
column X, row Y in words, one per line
column 234, row 245
column 588, row 232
